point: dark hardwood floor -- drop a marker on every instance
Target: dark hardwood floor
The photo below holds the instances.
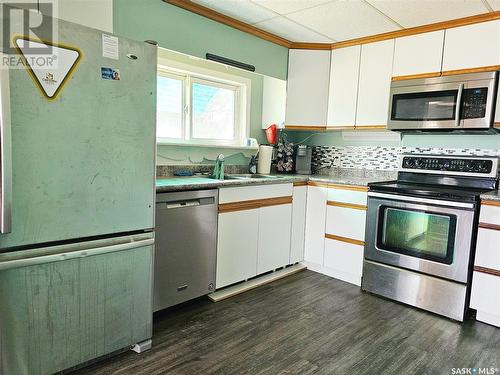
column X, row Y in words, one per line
column 307, row 324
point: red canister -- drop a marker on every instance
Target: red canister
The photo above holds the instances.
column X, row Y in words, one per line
column 272, row 134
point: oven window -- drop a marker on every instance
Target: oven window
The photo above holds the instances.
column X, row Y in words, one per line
column 424, row 106
column 417, row 233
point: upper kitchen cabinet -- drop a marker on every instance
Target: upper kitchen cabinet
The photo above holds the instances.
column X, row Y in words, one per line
column 374, row 86
column 307, row 91
column 344, row 76
column 418, row 55
column 273, row 102
column 472, row 46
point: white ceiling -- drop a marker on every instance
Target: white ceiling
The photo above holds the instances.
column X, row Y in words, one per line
column 326, row 21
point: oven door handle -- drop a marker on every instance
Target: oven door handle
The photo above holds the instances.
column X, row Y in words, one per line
column 436, row 202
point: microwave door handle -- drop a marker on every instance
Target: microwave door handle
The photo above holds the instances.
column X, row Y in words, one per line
column 459, row 104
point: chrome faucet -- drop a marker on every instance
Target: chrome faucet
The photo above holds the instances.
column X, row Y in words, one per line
column 218, row 172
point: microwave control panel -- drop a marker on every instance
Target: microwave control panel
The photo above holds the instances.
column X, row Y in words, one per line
column 474, row 102
column 447, row 164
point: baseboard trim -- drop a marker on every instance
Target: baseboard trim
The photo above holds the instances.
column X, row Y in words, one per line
column 233, row 290
column 336, row 274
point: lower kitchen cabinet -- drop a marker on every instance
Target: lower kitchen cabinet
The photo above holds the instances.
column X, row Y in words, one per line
column 238, row 238
column 57, row 315
column 315, row 224
column 335, row 230
column 298, row 224
column 275, row 225
column 344, row 260
column 485, row 293
column 254, row 231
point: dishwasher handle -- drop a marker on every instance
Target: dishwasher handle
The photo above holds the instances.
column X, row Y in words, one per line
column 186, row 203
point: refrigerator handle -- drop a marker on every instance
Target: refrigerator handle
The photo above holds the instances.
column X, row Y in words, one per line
column 5, row 152
column 68, row 255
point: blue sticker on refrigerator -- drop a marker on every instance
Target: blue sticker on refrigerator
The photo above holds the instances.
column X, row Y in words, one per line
column 110, row 73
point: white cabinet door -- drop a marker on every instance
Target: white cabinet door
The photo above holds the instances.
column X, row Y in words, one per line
column 485, row 296
column 489, row 214
column 315, row 224
column 343, row 86
column 344, row 261
column 298, row 224
column 238, row 234
column 273, row 102
column 307, row 91
column 275, row 224
column 418, row 54
column 472, row 46
column 375, row 74
column 346, row 222
column 488, row 249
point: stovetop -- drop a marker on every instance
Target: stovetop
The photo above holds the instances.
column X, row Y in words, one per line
column 429, row 191
column 457, row 178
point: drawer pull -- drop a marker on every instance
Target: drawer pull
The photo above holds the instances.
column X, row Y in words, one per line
column 345, row 239
column 489, row 226
column 347, row 205
column 253, row 204
column 489, row 271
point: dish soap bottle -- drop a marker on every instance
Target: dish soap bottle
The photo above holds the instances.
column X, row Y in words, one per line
column 252, row 166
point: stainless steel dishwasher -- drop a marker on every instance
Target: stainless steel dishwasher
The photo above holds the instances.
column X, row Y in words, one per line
column 186, row 246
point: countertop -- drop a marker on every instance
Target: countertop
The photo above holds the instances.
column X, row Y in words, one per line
column 168, row 184
column 491, row 196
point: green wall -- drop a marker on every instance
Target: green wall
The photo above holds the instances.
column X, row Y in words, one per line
column 182, row 31
column 179, row 30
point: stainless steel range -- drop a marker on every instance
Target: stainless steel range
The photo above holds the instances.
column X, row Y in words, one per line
column 421, row 231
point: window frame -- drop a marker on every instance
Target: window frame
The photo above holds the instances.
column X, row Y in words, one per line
column 182, row 78
column 242, row 89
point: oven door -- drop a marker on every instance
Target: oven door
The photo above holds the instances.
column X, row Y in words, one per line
column 424, row 235
column 426, row 106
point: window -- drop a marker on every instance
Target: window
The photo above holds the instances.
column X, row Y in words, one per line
column 199, row 109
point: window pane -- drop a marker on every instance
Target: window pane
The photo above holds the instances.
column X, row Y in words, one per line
column 169, row 108
column 213, row 112
column 424, row 234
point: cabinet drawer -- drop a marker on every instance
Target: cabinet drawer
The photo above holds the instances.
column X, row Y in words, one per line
column 489, row 214
column 248, row 193
column 346, row 222
column 488, row 249
column 485, row 295
column 345, row 260
column 349, row 194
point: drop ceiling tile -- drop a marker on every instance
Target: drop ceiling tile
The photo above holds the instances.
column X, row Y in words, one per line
column 292, row 31
column 494, row 4
column 243, row 10
column 343, row 20
column 410, row 13
column 289, row 6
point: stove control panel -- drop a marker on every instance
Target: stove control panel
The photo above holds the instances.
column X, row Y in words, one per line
column 448, row 164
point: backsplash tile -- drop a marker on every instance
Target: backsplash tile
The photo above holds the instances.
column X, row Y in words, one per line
column 380, row 158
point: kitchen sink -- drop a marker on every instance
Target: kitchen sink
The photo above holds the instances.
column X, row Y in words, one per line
column 249, row 176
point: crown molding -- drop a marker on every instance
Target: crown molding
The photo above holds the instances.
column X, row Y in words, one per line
column 273, row 38
column 229, row 21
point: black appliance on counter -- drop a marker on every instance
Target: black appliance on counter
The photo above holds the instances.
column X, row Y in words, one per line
column 302, row 159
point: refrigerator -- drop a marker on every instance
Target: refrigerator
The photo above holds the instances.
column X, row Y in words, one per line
column 77, row 206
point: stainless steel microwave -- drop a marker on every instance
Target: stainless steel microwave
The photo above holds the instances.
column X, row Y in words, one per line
column 454, row 102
